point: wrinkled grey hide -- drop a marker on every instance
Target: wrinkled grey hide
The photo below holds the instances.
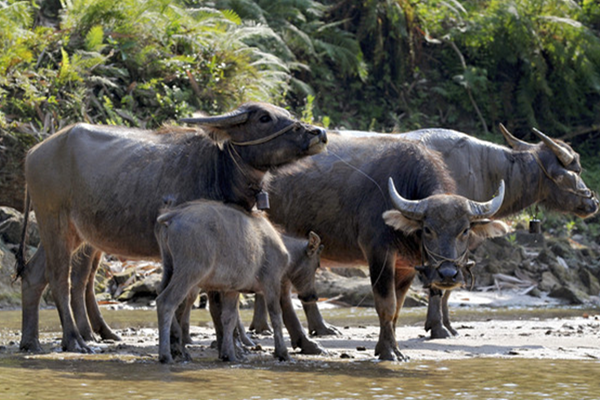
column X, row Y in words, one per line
column 547, row 173
column 99, row 188
column 534, row 173
column 342, row 195
column 223, row 248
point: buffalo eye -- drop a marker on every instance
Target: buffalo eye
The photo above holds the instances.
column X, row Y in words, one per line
column 265, row 118
column 427, row 231
column 466, row 232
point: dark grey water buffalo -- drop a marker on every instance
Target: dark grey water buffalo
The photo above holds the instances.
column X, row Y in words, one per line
column 101, row 187
column 342, row 196
column 546, row 173
column 225, row 248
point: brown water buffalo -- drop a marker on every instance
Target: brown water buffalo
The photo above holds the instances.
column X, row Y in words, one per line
column 546, row 173
column 101, row 187
column 342, row 196
column 225, row 248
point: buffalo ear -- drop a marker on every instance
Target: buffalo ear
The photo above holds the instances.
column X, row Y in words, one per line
column 218, row 135
column 487, row 228
column 314, row 244
column 399, row 222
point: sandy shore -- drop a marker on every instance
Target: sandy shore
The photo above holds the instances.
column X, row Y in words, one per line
column 483, row 332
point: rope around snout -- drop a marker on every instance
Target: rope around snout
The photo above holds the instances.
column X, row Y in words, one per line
column 265, row 139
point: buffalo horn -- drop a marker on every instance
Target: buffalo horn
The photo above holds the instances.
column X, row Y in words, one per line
column 489, row 208
column 512, row 141
column 413, row 209
column 563, row 156
column 235, row 117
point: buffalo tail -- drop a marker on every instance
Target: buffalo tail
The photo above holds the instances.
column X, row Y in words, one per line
column 20, row 256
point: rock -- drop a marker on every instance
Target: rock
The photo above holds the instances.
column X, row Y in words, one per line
column 147, row 287
column 350, row 272
column 10, row 292
column 561, row 248
column 548, row 282
column 532, row 240
column 353, row 291
column 571, row 294
column 11, row 227
column 590, row 282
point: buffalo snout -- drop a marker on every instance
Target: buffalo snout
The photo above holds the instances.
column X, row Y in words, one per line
column 446, row 276
column 318, row 142
column 588, row 207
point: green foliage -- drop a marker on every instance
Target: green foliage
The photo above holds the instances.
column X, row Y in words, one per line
column 133, row 62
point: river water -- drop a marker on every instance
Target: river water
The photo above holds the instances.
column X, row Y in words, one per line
column 100, row 376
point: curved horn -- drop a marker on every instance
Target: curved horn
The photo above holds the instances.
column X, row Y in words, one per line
column 489, row 208
column 413, row 209
column 512, row 141
column 563, row 156
column 235, row 117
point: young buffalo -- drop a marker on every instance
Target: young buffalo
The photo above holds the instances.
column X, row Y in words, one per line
column 225, row 248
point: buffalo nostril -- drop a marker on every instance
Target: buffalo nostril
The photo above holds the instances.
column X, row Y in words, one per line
column 447, row 272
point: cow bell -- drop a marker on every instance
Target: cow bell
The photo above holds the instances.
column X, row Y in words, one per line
column 262, row 200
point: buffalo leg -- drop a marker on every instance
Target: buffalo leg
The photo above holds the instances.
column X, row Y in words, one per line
column 229, row 321
column 99, row 325
column 81, row 270
column 183, row 314
column 446, row 314
column 259, row 322
column 434, row 315
column 273, row 298
column 404, row 274
column 381, row 266
column 215, row 304
column 60, row 240
column 170, row 342
column 316, row 324
column 33, row 283
column 294, row 327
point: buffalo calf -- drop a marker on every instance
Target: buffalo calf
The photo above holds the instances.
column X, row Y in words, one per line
column 225, row 248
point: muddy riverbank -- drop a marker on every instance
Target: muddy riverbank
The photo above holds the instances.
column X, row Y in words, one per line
column 515, row 331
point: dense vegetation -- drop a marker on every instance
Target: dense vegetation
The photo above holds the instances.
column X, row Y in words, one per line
column 387, row 65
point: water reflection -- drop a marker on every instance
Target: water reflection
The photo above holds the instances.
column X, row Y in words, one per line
column 205, row 379
column 139, row 376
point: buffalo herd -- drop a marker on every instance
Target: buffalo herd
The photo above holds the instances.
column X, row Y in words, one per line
column 194, row 198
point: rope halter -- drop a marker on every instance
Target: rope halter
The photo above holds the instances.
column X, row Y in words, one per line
column 293, row 125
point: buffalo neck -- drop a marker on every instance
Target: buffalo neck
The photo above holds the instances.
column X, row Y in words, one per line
column 238, row 181
column 523, row 178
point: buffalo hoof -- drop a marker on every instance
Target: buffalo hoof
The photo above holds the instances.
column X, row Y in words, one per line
column 165, row 359
column 187, row 339
column 282, row 356
column 87, row 335
column 308, row 346
column 261, row 329
column 179, row 352
column 32, row 346
column 76, row 346
column 325, row 330
column 108, row 334
column 231, row 357
column 440, row 333
column 389, row 354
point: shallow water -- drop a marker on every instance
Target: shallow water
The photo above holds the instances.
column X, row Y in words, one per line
column 206, row 379
column 64, row 375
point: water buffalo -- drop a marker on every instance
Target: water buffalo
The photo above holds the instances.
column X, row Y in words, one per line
column 546, row 173
column 225, row 248
column 341, row 196
column 99, row 188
